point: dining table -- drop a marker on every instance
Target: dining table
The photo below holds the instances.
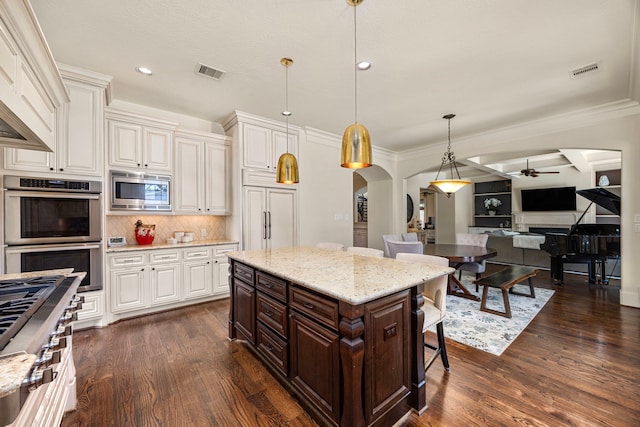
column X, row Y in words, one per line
column 457, row 256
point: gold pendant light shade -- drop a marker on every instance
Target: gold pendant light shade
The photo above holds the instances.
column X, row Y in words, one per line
column 356, row 147
column 356, row 142
column 287, row 171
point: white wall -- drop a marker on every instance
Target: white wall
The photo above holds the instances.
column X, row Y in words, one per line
column 325, row 191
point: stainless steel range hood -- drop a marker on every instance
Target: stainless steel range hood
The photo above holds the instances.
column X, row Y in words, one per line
column 14, row 133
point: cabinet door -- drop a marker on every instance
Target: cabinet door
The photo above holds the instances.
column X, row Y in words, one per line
column 220, row 275
column 165, row 284
column 257, row 151
column 127, row 289
column 281, row 146
column 315, row 363
column 282, row 218
column 92, row 307
column 187, row 191
column 217, row 178
column 244, row 309
column 197, row 279
column 80, row 151
column 254, row 218
column 156, row 149
column 29, row 160
column 125, row 141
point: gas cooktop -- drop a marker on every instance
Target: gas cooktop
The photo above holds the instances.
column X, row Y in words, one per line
column 19, row 300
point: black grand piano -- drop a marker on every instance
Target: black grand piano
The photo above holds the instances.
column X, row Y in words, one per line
column 591, row 244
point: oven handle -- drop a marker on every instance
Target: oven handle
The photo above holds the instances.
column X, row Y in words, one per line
column 40, row 248
column 53, row 195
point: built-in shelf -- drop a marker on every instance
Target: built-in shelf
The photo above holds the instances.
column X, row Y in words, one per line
column 603, row 216
column 500, row 190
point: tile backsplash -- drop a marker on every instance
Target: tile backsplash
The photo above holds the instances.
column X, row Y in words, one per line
column 124, row 225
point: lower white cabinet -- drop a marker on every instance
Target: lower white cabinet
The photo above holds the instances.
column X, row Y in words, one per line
column 198, row 279
column 93, row 310
column 144, row 281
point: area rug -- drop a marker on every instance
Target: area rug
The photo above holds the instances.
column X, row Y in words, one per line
column 468, row 325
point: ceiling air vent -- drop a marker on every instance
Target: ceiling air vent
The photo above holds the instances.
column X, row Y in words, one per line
column 207, row 71
column 579, row 72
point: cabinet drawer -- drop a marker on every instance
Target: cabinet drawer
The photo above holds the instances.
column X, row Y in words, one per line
column 316, row 307
column 272, row 313
column 243, row 272
column 224, row 249
column 157, row 257
column 196, row 253
column 127, row 259
column 273, row 348
column 273, row 286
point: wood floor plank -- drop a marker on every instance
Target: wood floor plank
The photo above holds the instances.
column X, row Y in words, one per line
column 576, row 364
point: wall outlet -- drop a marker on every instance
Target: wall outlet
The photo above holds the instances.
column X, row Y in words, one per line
column 203, row 232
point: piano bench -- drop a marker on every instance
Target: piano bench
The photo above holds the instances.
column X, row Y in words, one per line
column 506, row 279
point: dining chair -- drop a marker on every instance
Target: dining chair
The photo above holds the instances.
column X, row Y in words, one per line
column 434, row 307
column 410, row 237
column 330, row 245
column 390, row 237
column 472, row 240
column 366, row 251
column 404, row 247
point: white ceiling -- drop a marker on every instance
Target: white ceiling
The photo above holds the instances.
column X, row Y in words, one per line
column 493, row 63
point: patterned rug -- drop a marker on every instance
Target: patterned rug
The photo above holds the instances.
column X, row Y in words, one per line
column 468, row 325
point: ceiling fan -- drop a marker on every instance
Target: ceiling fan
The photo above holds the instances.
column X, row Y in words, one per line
column 532, row 172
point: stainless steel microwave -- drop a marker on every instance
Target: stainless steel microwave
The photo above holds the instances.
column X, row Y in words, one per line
column 132, row 191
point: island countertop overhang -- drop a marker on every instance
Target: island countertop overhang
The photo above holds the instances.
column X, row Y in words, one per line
column 352, row 278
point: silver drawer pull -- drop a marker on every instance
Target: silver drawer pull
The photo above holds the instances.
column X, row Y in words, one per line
column 308, row 305
column 268, row 313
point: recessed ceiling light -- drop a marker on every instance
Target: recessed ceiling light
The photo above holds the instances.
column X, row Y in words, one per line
column 364, row 65
column 144, row 70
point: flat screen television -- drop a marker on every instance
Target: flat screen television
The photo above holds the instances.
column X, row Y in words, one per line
column 549, row 199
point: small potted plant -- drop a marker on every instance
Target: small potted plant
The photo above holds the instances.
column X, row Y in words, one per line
column 145, row 233
column 491, row 205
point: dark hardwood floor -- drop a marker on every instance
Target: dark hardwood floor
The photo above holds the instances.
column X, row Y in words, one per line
column 576, row 364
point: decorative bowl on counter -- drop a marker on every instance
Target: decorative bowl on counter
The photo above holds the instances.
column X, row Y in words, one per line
column 145, row 233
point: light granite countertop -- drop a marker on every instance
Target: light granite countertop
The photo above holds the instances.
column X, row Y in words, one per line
column 349, row 277
column 165, row 245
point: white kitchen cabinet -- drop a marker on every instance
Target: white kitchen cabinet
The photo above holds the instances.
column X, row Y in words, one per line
column 127, row 286
column 138, row 143
column 145, row 281
column 198, row 278
column 269, row 218
column 80, row 143
column 93, row 310
column 263, row 146
column 202, row 183
column 138, row 280
column 164, row 277
column 221, row 268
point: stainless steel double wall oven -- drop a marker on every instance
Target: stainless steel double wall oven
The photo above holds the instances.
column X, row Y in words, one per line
column 53, row 223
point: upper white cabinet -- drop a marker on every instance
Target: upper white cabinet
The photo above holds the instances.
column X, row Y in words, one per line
column 202, row 182
column 263, row 146
column 262, row 141
column 139, row 143
column 79, row 146
column 31, row 90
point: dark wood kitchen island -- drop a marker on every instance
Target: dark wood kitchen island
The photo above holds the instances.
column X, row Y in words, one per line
column 343, row 332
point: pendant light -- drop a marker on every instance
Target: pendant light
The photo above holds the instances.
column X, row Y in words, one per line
column 287, row 170
column 356, row 143
column 453, row 184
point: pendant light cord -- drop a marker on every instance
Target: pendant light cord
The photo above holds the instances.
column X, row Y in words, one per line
column 355, row 61
column 286, row 101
